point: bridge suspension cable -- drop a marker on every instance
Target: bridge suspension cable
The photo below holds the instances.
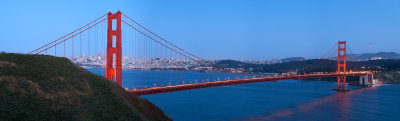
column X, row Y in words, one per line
column 67, row 34
column 321, row 60
column 353, row 64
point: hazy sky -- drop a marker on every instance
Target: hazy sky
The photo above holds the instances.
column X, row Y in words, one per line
column 218, row 29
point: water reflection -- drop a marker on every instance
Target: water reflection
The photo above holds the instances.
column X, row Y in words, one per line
column 336, row 107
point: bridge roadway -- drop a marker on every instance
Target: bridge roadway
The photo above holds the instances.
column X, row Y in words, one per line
column 182, row 87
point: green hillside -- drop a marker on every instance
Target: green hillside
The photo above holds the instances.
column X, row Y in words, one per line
column 392, row 76
column 41, row 87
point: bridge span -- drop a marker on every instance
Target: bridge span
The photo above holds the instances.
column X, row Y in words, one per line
column 183, row 87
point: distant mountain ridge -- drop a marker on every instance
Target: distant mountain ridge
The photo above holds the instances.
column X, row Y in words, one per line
column 372, row 56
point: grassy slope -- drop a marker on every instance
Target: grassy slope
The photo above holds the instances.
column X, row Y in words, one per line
column 392, row 77
column 40, row 87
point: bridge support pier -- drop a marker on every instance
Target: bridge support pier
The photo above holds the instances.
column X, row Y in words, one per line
column 367, row 79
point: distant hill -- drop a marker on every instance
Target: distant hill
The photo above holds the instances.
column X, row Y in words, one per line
column 232, row 64
column 41, row 87
column 372, row 56
column 293, row 59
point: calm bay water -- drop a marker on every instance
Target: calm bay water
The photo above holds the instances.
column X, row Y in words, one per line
column 281, row 100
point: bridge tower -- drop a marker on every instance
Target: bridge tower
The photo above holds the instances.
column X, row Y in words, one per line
column 114, row 49
column 341, row 69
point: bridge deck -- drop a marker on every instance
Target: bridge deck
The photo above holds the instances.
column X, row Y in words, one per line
column 174, row 88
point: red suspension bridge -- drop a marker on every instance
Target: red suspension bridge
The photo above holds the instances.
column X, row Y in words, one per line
column 116, row 42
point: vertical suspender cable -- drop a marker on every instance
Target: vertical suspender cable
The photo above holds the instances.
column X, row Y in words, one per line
column 89, row 43
column 64, row 48
column 80, row 55
column 72, row 50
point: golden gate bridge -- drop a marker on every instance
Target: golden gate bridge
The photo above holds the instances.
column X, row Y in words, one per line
column 129, row 45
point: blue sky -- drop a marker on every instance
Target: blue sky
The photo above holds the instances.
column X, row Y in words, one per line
column 246, row 30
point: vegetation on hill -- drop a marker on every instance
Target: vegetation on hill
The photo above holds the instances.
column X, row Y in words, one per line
column 41, row 87
column 392, row 76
